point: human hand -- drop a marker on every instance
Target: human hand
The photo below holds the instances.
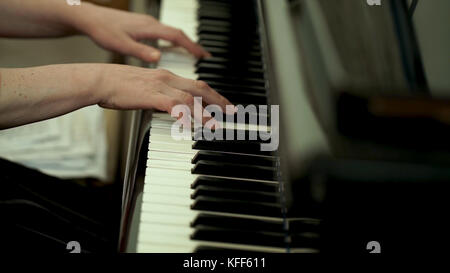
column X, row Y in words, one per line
column 127, row 87
column 121, row 31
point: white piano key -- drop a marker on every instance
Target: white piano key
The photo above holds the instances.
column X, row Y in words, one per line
column 168, row 209
column 166, row 189
column 169, row 156
column 164, row 218
column 159, row 146
column 173, row 230
column 177, row 210
column 186, row 242
column 155, row 138
column 167, row 164
column 172, row 183
column 162, row 248
column 176, row 174
column 161, row 115
column 177, row 57
column 166, row 199
column 164, row 131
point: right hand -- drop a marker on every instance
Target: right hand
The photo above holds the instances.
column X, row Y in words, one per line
column 127, row 88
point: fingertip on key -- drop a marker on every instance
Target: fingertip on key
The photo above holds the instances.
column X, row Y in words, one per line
column 230, row 109
column 155, row 56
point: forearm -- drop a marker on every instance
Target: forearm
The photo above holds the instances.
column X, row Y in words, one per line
column 40, row 18
column 33, row 94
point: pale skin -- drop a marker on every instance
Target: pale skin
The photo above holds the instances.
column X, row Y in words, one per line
column 33, row 94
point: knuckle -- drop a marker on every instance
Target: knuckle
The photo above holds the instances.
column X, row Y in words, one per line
column 201, row 85
column 188, row 99
column 147, row 18
column 163, row 74
column 178, row 34
column 170, row 103
column 225, row 101
column 158, row 84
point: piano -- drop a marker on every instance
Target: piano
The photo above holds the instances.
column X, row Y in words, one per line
column 218, row 196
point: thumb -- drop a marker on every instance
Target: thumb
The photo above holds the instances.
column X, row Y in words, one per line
column 142, row 51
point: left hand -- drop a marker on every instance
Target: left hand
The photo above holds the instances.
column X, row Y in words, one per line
column 121, row 31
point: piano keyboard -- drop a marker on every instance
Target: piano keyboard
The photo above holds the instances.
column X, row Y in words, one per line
column 211, row 195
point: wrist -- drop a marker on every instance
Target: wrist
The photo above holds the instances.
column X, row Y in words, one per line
column 88, row 79
column 78, row 17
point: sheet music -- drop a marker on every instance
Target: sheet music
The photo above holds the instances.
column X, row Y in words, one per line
column 70, row 146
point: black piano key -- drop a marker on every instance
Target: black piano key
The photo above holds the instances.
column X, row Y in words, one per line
column 214, row 43
column 235, row 170
column 216, row 23
column 244, row 98
column 250, row 118
column 231, row 222
column 233, row 146
column 239, row 184
column 214, row 29
column 242, row 118
column 228, row 62
column 303, row 225
column 235, row 134
column 210, row 68
column 224, row 13
column 267, row 161
column 231, row 39
column 234, row 80
column 236, row 87
column 240, row 48
column 304, row 240
column 227, row 53
column 244, row 47
column 216, row 192
column 238, row 207
column 214, row 37
column 239, row 237
column 234, row 52
column 214, row 15
column 223, row 30
column 220, row 250
column 215, row 6
column 217, row 2
column 245, row 94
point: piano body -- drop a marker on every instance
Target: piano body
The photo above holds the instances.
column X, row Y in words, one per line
column 214, row 196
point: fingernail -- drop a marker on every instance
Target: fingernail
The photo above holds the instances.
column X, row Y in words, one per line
column 232, row 111
column 218, row 125
column 155, row 55
column 215, row 126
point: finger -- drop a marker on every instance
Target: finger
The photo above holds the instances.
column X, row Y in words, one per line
column 166, row 103
column 178, row 37
column 142, row 51
column 200, row 89
column 188, row 99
